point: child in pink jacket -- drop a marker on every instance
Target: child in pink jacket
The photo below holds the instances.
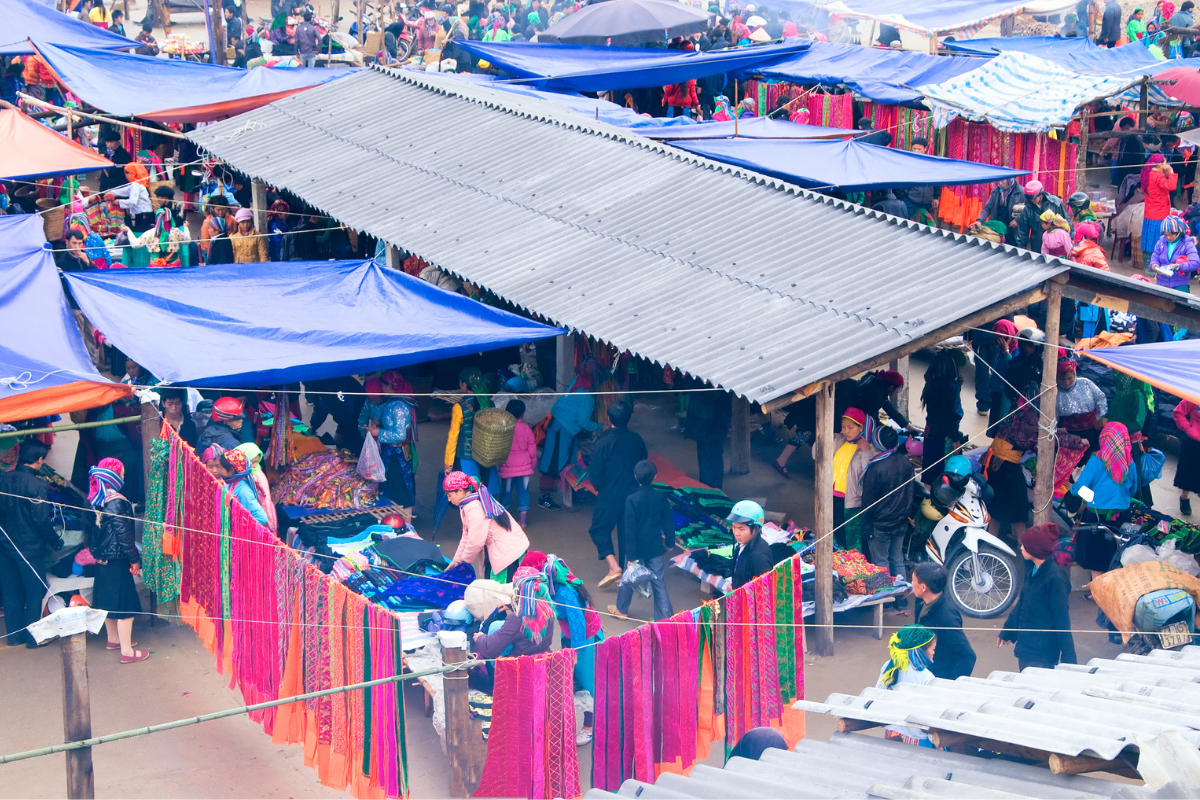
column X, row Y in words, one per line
column 518, row 469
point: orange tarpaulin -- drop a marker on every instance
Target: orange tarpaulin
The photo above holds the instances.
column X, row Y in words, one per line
column 29, row 149
column 74, row 396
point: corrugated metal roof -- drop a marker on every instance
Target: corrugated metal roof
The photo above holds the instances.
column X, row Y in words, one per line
column 855, row 765
column 1098, row 710
column 743, row 280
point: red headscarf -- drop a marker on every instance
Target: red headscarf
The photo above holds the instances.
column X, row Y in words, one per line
column 1006, row 334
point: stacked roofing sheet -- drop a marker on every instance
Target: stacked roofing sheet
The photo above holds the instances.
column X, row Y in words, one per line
column 743, row 280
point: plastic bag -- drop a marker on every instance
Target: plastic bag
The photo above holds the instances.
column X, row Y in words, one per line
column 1185, row 562
column 370, row 462
column 637, row 575
column 1150, row 466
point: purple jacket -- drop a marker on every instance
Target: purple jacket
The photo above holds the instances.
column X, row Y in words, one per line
column 1183, row 272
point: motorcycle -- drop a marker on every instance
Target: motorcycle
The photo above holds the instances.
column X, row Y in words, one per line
column 982, row 579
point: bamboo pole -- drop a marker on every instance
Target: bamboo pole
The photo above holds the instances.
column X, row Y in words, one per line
column 77, row 716
column 1043, row 489
column 823, row 528
column 58, row 109
column 75, row 426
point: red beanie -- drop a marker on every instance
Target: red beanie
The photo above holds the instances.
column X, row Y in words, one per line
column 534, row 559
column 856, row 415
column 891, row 376
column 1040, row 540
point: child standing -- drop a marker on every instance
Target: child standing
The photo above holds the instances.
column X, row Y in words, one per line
column 649, row 534
column 518, row 468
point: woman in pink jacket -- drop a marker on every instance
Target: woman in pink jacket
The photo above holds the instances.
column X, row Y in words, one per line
column 1187, row 471
column 487, row 527
column 518, row 469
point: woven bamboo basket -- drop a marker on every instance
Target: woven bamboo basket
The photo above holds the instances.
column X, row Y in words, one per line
column 492, row 436
column 157, row 202
column 53, row 216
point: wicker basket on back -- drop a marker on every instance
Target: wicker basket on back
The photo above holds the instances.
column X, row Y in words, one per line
column 492, row 436
column 53, row 217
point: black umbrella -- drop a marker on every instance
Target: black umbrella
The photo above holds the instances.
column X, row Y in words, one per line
column 627, row 22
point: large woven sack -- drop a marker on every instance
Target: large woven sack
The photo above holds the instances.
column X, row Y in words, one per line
column 1117, row 592
column 492, row 436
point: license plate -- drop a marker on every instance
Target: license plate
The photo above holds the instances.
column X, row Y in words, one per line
column 1174, row 635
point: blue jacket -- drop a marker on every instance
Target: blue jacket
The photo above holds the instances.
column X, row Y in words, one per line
column 1110, row 496
column 570, row 414
column 248, row 497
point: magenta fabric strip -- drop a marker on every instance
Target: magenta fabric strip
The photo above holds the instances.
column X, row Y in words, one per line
column 798, row 620
column 602, row 717
column 537, row 758
column 614, row 768
column 770, row 694
column 689, row 688
column 524, row 776
column 667, row 719
column 629, row 703
column 647, row 705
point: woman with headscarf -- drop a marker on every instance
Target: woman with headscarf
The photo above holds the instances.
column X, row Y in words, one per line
column 234, row 468
column 487, row 528
column 211, row 456
column 475, row 397
column 248, row 246
column 943, row 410
column 1135, row 28
column 722, row 113
column 1175, row 258
column 1004, row 332
column 390, row 421
column 220, row 248
column 1087, row 249
column 277, row 227
column 261, row 486
column 1056, row 236
column 1081, row 405
column 1157, row 180
column 517, row 619
column 851, row 491
column 495, row 30
column 570, row 415
column 1111, row 475
column 910, row 654
column 117, row 557
column 579, row 625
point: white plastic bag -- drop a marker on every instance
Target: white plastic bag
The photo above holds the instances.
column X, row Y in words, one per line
column 370, row 463
column 1138, row 554
column 1183, row 561
column 637, row 575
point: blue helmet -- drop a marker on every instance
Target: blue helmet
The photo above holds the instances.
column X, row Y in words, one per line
column 747, row 512
column 958, row 465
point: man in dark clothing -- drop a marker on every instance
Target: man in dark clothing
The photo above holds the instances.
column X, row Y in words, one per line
column 617, row 451
column 1183, row 19
column 954, row 657
column 871, row 136
column 1000, row 207
column 227, row 427
column 887, row 493
column 1110, row 25
column 649, row 534
column 1131, row 153
column 307, row 41
column 890, row 204
column 1029, row 224
column 707, row 424
column 1040, row 622
column 110, row 148
column 344, row 410
column 751, row 553
column 28, row 536
column 149, row 45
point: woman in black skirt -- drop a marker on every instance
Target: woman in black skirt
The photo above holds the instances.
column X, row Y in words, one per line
column 1187, row 471
column 117, row 558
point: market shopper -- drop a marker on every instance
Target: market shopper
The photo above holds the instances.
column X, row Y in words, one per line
column 910, row 652
column 473, row 399
column 1187, row 472
column 1001, row 207
column 617, row 452
column 174, row 411
column 887, row 495
column 487, row 528
column 751, row 553
column 955, row 657
column 570, row 416
column 1087, row 249
column 649, row 534
column 117, row 557
column 390, row 421
column 308, row 40
column 1158, row 180
column 1040, row 623
column 942, row 398
column 248, row 246
column 518, row 468
column 709, row 415
column 27, row 520
column 529, row 629
column 1081, row 405
column 1174, row 257
column 234, row 468
column 226, row 426
column 1111, row 479
column 1029, row 223
column 1056, row 235
column 262, row 487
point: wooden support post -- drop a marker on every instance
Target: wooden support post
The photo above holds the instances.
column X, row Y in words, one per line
column 823, row 527
column 1077, row 765
column 77, row 716
column 1085, row 122
column 739, row 453
column 901, row 365
column 464, row 736
column 359, row 27
column 164, row 15
column 1144, row 103
column 564, row 370
column 1043, row 490
column 333, row 21
column 847, row 725
column 258, row 197
column 392, row 257
column 217, row 44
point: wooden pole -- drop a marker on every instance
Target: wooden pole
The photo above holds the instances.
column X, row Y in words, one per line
column 164, row 11
column 258, row 197
column 77, row 717
column 217, row 43
column 901, row 365
column 1085, row 122
column 1044, row 488
column 464, row 735
column 823, row 527
column 739, row 453
column 333, row 20
column 359, row 27
column 564, row 365
column 1144, row 103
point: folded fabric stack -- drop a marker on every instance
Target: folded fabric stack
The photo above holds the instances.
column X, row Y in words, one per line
column 1161, row 527
column 699, row 516
column 326, row 480
column 481, row 706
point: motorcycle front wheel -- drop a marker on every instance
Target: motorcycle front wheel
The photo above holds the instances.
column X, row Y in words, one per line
column 982, row 585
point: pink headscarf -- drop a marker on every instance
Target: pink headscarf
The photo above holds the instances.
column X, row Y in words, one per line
column 1087, row 228
column 1144, row 179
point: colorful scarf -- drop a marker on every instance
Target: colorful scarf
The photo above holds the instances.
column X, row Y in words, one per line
column 241, row 464
column 884, row 452
column 278, row 209
column 723, row 112
column 253, row 455
column 1115, row 450
column 904, row 649
column 105, row 479
column 532, row 601
column 211, row 452
column 1055, row 219
column 1006, row 335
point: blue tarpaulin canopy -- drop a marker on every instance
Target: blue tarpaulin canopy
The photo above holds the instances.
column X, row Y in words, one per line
column 936, row 16
column 850, row 166
column 596, row 68
column 877, row 74
column 1076, row 54
column 44, row 367
column 1171, row 366
column 173, row 90
column 273, row 323
column 27, row 19
column 753, row 128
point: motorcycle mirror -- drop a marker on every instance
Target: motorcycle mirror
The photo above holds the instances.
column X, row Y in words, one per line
column 1087, row 494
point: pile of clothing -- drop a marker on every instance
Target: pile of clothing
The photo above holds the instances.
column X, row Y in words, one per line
column 699, row 516
column 1162, row 528
column 326, row 480
column 859, row 575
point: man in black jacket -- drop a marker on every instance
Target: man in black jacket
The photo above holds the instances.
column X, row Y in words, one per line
column 611, row 471
column 28, row 536
column 649, row 534
column 751, row 554
column 1000, row 207
column 1040, row 623
column 707, row 423
column 954, row 656
column 886, row 500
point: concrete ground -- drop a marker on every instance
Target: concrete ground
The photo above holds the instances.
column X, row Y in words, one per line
column 233, row 758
